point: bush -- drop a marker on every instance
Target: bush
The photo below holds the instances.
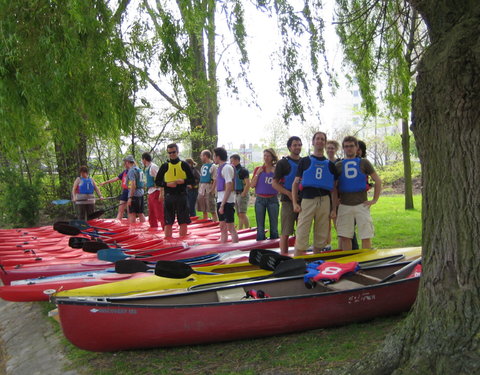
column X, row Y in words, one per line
column 20, row 201
column 393, row 172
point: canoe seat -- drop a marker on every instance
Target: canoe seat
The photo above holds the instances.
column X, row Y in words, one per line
column 230, row 295
column 344, row 285
column 369, row 277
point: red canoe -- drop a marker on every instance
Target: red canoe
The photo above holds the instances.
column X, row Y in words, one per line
column 223, row 314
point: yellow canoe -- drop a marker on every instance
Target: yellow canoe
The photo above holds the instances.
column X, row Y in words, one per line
column 226, row 273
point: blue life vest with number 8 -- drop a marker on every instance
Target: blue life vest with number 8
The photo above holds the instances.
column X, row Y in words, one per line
column 85, row 186
column 205, row 175
column 318, row 175
column 352, row 179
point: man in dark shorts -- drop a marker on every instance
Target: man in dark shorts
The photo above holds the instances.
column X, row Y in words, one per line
column 226, row 195
column 136, row 183
column 285, row 173
column 242, row 186
column 174, row 176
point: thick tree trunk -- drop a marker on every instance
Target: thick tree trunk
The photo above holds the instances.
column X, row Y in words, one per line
column 68, row 162
column 442, row 333
column 407, row 166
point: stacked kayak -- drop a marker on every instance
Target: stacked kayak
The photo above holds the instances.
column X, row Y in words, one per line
column 38, row 289
column 223, row 273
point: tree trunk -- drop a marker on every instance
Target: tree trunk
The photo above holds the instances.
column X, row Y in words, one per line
column 407, row 166
column 68, row 162
column 442, row 333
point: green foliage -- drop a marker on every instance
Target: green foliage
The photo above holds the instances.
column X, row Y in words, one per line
column 394, row 172
column 20, row 199
column 383, row 41
column 61, row 72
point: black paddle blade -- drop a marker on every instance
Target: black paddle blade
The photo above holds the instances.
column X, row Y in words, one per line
column 256, row 255
column 130, row 266
column 94, row 246
column 77, row 242
column 67, row 229
column 95, row 214
column 173, row 270
column 271, row 261
column 57, row 223
column 292, row 267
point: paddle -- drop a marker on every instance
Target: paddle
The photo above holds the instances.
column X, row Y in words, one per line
column 113, row 255
column 65, row 201
column 73, row 231
column 94, row 246
column 256, row 255
column 99, row 213
column 80, row 224
column 77, row 242
column 402, row 272
column 163, row 268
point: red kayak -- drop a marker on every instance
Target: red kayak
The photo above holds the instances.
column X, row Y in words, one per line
column 30, row 271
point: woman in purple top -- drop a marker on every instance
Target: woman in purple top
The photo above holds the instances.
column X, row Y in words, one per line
column 266, row 196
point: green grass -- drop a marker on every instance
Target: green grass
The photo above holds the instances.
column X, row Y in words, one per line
column 319, row 351
column 394, row 226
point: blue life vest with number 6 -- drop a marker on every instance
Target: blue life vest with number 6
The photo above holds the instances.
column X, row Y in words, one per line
column 318, row 175
column 289, row 178
column 205, row 175
column 85, row 186
column 352, row 179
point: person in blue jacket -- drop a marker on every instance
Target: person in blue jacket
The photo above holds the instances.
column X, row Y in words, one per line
column 82, row 193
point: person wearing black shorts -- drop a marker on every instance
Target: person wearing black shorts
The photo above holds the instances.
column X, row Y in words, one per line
column 174, row 176
column 226, row 195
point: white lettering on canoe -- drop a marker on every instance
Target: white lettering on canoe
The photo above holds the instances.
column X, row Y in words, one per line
column 361, row 297
column 117, row 311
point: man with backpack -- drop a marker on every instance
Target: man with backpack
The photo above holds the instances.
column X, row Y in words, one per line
column 136, row 183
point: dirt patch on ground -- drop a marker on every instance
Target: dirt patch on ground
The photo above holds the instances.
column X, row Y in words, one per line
column 398, row 187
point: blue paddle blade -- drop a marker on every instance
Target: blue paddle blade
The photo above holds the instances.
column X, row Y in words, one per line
column 111, row 255
column 61, row 201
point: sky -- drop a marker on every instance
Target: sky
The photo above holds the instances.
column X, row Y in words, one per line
column 241, row 122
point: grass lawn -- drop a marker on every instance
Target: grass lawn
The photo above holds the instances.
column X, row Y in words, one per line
column 320, row 351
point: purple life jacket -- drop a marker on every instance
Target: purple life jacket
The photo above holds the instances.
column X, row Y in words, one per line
column 220, row 179
column 264, row 184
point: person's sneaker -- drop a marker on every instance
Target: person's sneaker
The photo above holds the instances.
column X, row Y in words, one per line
column 327, row 248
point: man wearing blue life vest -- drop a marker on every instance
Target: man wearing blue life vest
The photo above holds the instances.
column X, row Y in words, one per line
column 317, row 176
column 174, row 176
column 136, row 183
column 206, row 202
column 82, row 193
column 285, row 173
column 155, row 193
column 354, row 204
column 226, row 195
column 242, row 186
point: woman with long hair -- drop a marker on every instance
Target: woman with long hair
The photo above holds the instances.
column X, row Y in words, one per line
column 266, row 196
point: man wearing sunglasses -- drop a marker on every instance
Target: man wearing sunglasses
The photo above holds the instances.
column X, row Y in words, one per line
column 174, row 176
column 354, row 204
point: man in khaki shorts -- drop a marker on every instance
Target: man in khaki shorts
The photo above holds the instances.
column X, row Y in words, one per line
column 285, row 173
column 206, row 202
column 354, row 204
column 317, row 176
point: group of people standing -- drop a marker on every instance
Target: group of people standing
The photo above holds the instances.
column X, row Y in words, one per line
column 318, row 189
